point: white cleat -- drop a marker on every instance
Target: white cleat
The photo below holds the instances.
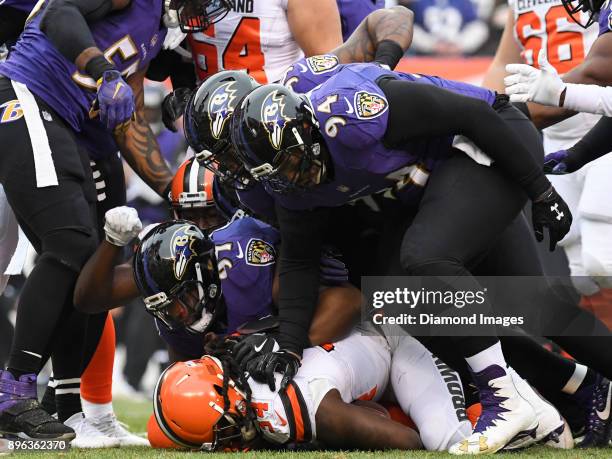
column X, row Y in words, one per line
column 110, row 426
column 506, row 416
column 552, row 429
column 87, row 436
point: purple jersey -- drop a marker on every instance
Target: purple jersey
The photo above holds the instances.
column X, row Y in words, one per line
column 308, row 73
column 605, row 18
column 246, row 255
column 22, row 5
column 352, row 12
column 352, row 112
column 130, row 38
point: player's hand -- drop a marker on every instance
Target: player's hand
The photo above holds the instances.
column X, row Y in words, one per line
column 173, row 106
column 550, row 211
column 250, row 346
column 557, row 163
column 333, row 269
column 263, row 367
column 121, row 225
column 115, row 100
column 174, row 37
column 528, row 84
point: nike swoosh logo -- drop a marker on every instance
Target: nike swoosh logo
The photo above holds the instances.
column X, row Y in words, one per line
column 283, row 421
column 32, row 353
column 117, row 89
column 240, row 254
column 349, row 109
column 260, row 347
column 605, row 414
column 303, row 68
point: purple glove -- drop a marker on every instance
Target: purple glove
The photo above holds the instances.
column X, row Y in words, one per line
column 333, row 269
column 115, row 99
column 555, row 163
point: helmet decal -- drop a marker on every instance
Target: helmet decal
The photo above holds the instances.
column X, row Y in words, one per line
column 273, row 117
column 322, row 63
column 220, row 106
column 182, row 250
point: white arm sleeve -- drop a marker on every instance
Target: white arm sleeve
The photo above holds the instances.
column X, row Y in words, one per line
column 588, row 98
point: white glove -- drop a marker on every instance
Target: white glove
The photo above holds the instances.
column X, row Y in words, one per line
column 174, row 37
column 528, row 84
column 121, row 225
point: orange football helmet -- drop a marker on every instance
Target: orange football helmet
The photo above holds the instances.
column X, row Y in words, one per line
column 191, row 195
column 189, row 407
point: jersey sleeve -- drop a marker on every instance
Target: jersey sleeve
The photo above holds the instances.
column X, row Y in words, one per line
column 284, row 416
column 308, row 73
column 247, row 261
column 605, row 19
column 354, row 116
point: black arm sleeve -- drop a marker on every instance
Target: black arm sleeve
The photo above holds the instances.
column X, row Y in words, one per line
column 301, row 233
column 65, row 23
column 169, row 63
column 595, row 143
column 419, row 110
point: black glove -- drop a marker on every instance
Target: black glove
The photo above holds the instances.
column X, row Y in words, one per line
column 250, row 346
column 550, row 211
column 263, row 367
column 173, row 106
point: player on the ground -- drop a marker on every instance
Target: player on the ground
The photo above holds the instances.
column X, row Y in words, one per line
column 544, row 31
column 291, row 144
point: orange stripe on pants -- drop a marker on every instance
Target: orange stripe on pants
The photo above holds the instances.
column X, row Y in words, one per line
column 97, row 379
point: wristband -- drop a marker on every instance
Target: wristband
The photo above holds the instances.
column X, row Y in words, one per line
column 388, row 52
column 96, row 66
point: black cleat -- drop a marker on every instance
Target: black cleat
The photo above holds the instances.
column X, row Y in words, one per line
column 599, row 421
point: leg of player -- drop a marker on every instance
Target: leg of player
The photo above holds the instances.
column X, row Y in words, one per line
column 484, row 202
column 347, row 426
column 52, row 197
column 430, row 393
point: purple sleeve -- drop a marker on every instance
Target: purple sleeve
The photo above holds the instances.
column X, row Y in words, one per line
column 605, row 20
column 308, row 73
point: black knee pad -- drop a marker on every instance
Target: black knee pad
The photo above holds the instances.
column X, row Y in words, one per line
column 71, row 246
column 416, row 264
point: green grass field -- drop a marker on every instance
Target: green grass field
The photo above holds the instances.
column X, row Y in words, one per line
column 136, row 416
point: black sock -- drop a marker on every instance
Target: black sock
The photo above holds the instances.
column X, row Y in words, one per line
column 68, row 397
column 48, row 400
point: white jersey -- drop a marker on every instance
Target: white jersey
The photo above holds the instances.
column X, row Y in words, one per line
column 254, row 36
column 357, row 366
column 545, row 25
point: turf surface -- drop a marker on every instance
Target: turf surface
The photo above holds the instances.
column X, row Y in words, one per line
column 136, row 415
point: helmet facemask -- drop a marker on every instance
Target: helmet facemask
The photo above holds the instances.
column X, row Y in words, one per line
column 575, row 9
column 194, row 15
column 189, row 304
column 224, row 163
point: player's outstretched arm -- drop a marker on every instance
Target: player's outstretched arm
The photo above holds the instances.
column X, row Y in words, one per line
column 595, row 69
column 335, row 315
column 315, row 25
column 103, row 284
column 347, row 426
column 508, row 52
column 65, row 22
column 393, row 26
column 436, row 116
column 595, row 143
column 139, row 146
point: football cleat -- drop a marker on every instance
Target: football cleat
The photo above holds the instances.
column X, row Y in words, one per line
column 21, row 415
column 87, row 436
column 552, row 429
column 506, row 416
column 110, row 426
column 599, row 422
